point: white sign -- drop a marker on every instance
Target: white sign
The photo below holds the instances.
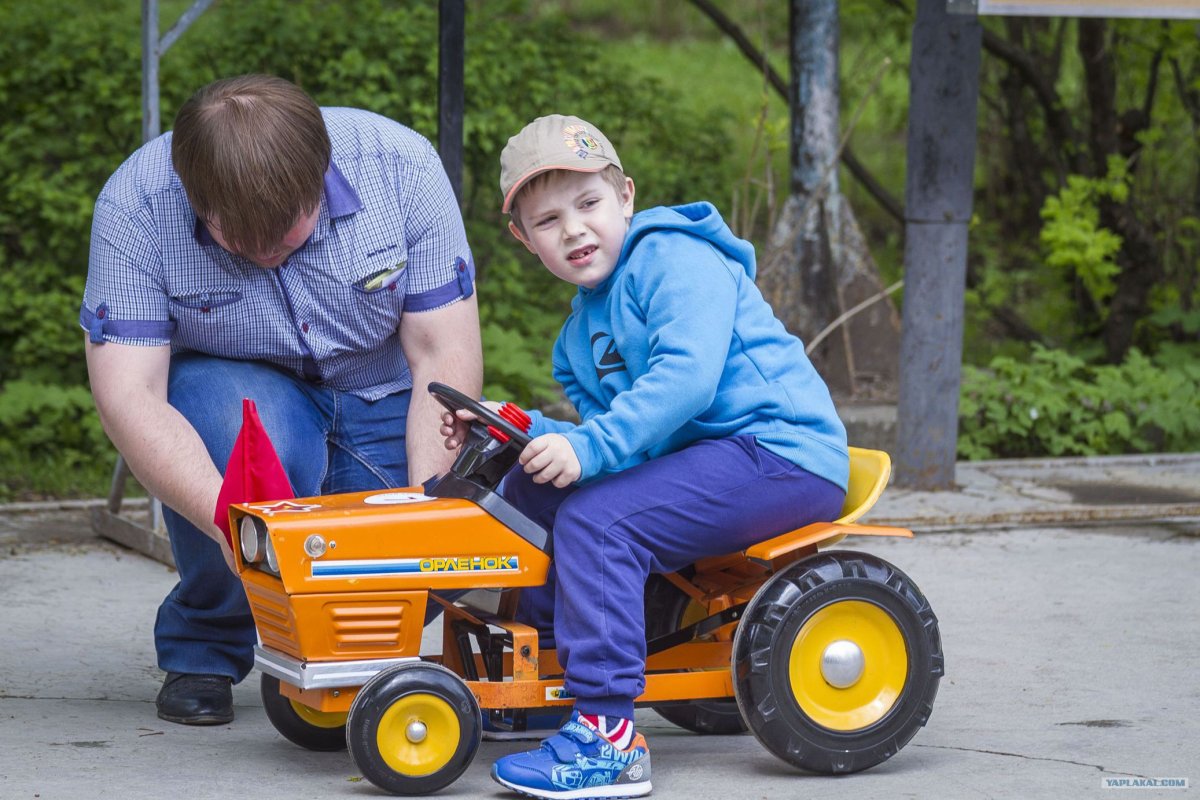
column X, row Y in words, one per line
column 1146, row 9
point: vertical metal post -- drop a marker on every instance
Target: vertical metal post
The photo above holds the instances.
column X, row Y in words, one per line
column 943, row 93
column 151, row 125
column 451, row 56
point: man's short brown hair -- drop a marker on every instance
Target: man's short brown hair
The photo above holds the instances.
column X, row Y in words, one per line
column 251, row 152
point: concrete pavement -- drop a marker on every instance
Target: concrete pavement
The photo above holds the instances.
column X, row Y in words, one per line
column 1066, row 593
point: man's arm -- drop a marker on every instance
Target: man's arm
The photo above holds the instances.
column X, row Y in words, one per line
column 163, row 450
column 440, row 345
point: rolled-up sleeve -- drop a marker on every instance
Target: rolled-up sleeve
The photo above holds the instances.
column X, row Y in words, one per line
column 440, row 267
column 124, row 300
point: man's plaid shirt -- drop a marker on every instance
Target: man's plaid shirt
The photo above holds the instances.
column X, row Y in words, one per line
column 389, row 240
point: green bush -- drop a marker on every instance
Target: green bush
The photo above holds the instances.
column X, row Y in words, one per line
column 52, row 441
column 1072, row 236
column 1056, row 404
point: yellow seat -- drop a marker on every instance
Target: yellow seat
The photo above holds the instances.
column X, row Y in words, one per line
column 869, row 473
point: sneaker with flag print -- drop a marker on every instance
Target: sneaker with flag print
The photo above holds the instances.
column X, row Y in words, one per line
column 579, row 762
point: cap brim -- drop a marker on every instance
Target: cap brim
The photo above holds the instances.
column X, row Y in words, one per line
column 512, row 192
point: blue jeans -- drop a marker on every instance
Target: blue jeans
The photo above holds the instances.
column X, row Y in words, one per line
column 328, row 441
column 714, row 497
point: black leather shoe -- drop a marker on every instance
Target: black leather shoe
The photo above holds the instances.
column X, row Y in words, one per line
column 196, row 699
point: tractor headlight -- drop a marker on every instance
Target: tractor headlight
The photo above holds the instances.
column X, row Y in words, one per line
column 272, row 559
column 253, row 538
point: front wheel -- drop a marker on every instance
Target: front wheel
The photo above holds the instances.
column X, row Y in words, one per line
column 300, row 724
column 836, row 662
column 413, row 728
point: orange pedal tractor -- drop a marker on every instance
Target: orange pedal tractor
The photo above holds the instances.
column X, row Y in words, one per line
column 831, row 659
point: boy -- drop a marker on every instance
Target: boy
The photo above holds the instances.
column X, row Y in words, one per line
column 705, row 430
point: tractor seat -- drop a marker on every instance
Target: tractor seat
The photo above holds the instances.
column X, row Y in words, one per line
column 869, row 473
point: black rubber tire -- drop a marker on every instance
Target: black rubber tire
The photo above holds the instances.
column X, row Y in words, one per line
column 392, row 685
column 665, row 606
column 292, row 726
column 763, row 642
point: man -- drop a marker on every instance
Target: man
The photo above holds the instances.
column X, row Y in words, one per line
column 313, row 260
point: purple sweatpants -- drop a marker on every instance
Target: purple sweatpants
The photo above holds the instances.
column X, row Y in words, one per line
column 714, row 497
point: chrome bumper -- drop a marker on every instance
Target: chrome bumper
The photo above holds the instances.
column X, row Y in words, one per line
column 321, row 674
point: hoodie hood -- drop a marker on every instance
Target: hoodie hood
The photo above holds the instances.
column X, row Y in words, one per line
column 701, row 220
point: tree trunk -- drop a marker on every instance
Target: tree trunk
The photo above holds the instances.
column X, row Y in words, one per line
column 818, row 266
column 1140, row 258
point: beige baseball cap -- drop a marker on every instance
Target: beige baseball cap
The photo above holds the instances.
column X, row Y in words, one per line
column 553, row 142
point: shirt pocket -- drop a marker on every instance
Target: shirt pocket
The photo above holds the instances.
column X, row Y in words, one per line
column 207, row 318
column 378, row 285
column 384, row 268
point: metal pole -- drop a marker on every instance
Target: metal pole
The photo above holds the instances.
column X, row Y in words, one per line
column 152, row 51
column 151, row 126
column 943, row 93
column 451, row 46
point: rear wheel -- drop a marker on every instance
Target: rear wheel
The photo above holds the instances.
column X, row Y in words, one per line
column 300, row 724
column 414, row 728
column 837, row 662
column 667, row 610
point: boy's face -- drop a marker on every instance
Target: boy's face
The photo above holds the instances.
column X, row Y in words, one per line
column 576, row 223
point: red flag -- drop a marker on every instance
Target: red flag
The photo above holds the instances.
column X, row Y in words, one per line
column 254, row 472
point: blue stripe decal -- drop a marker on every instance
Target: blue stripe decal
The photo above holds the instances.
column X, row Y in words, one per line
column 407, row 566
column 415, row 566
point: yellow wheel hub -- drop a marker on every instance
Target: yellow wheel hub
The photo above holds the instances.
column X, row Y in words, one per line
column 319, row 719
column 848, row 665
column 418, row 734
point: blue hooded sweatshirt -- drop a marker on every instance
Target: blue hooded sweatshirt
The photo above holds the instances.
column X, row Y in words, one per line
column 678, row 345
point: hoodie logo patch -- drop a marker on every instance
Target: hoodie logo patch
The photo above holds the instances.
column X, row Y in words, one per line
column 604, row 352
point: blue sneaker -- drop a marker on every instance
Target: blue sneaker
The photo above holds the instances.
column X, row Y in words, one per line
column 538, row 725
column 577, row 762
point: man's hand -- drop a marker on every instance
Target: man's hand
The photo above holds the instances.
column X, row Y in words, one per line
column 456, row 426
column 551, row 459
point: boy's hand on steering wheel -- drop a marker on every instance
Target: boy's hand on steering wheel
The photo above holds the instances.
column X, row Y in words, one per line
column 456, row 426
column 551, row 459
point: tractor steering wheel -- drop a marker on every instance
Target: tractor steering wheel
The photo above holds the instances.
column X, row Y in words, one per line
column 491, row 422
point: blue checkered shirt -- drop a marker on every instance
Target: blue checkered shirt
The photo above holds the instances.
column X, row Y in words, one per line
column 389, row 240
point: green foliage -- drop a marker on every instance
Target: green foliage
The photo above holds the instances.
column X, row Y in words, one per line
column 685, row 107
column 70, row 79
column 1072, row 236
column 51, row 439
column 1056, row 404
